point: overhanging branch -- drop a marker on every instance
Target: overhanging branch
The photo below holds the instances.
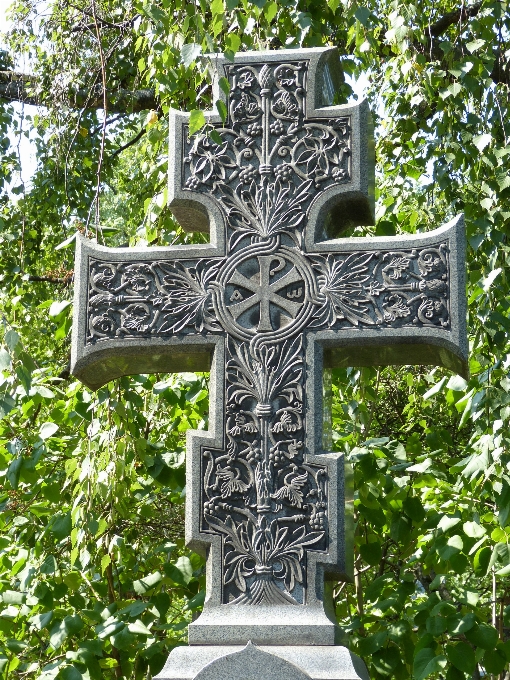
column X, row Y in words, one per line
column 20, row 87
column 443, row 24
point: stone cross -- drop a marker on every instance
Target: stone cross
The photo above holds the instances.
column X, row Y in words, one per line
column 274, row 298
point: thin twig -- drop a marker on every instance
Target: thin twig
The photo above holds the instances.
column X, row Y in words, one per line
column 105, row 114
column 128, row 144
column 52, row 279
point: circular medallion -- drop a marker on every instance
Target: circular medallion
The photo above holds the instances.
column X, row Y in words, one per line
column 265, row 290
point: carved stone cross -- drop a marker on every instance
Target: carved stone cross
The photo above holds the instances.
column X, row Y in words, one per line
column 272, row 299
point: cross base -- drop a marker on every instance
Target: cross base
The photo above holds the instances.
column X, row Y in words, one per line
column 211, row 662
column 284, row 625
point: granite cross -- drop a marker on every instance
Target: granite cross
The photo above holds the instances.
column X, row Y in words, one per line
column 276, row 296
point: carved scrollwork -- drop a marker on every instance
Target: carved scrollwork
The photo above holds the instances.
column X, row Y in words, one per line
column 383, row 288
column 150, row 298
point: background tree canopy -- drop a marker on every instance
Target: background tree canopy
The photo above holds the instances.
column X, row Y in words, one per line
column 95, row 581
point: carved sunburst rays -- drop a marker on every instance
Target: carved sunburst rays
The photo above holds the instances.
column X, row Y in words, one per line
column 342, row 294
column 185, row 297
column 266, row 372
column 267, row 552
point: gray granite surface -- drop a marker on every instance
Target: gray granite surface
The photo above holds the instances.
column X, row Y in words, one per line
column 263, row 663
column 275, row 298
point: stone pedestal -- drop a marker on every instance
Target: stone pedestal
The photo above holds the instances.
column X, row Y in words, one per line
column 251, row 662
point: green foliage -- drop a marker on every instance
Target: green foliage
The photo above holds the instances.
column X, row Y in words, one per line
column 95, row 580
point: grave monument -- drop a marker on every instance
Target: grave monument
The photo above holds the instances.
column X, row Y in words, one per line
column 275, row 297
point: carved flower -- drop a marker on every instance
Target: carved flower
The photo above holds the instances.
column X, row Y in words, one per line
column 375, row 288
column 311, row 158
column 272, row 373
column 208, row 161
column 245, row 80
column 140, row 279
column 395, row 307
column 342, row 293
column 264, row 554
column 396, row 268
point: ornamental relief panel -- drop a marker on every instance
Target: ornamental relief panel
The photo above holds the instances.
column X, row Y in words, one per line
column 271, row 162
column 259, row 493
column 269, row 291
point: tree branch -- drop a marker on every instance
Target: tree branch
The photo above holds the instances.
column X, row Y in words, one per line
column 128, row 144
column 104, row 24
column 20, row 87
column 443, row 24
column 66, row 280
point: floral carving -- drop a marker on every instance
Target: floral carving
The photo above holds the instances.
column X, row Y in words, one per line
column 358, row 289
column 272, row 160
column 276, row 502
column 158, row 298
column 258, row 490
column 343, row 289
column 383, row 288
